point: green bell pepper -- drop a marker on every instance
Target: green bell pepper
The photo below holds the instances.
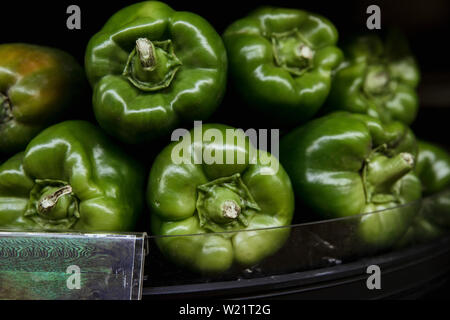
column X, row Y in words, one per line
column 346, row 164
column 152, row 69
column 37, row 87
column 203, row 211
column 281, row 62
column 70, row 177
column 433, row 170
column 433, row 167
column 378, row 79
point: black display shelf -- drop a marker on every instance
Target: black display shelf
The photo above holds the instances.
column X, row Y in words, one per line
column 412, row 273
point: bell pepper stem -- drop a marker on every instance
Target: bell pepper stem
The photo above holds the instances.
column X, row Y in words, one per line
column 52, row 205
column 382, row 170
column 222, row 204
column 49, row 201
column 305, row 52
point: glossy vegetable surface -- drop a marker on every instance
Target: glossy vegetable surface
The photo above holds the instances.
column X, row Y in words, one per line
column 153, row 68
column 70, row 177
column 433, row 170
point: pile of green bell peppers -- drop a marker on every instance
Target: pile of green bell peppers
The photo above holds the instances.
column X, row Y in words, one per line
column 348, row 150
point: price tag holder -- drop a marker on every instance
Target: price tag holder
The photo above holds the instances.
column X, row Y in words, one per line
column 71, row 266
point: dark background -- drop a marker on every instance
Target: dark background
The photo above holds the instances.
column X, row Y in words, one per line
column 426, row 23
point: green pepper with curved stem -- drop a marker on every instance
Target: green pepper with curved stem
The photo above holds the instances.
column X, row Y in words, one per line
column 71, row 177
column 378, row 78
column 433, row 170
column 152, row 69
column 38, row 85
column 346, row 164
column 205, row 212
column 281, row 62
